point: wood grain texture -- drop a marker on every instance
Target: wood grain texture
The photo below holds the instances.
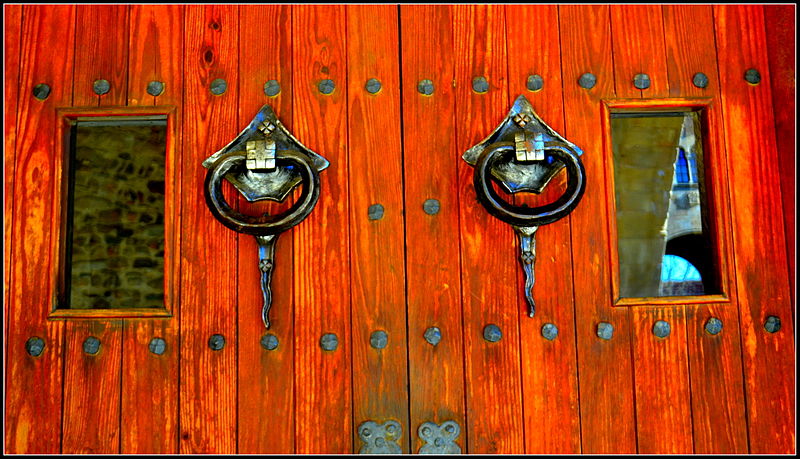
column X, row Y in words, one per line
column 604, row 367
column 377, row 247
column 489, row 261
column 208, row 250
column 549, row 368
column 323, row 398
column 101, row 52
column 265, row 378
column 436, row 373
column 33, row 417
column 637, row 35
column 149, row 423
column 780, row 23
column 757, row 221
column 715, row 361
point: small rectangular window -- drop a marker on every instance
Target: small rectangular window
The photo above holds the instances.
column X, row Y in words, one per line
column 664, row 241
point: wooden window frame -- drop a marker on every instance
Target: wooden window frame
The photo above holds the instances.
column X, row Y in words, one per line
column 66, row 118
column 717, row 195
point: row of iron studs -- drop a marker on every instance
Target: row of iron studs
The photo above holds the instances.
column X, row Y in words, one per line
column 425, row 87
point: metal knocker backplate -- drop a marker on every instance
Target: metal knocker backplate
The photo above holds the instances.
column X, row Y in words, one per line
column 264, row 162
column 524, row 154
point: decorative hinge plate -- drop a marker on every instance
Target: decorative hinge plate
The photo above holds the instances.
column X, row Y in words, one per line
column 380, row 438
column 439, row 439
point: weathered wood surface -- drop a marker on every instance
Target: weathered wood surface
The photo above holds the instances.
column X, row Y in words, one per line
column 13, row 26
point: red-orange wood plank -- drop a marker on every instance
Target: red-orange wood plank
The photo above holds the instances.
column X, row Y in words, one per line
column 715, row 361
column 12, row 21
column 266, row 378
column 33, row 412
column 101, row 51
column 604, row 366
column 663, row 406
column 488, row 258
column 208, row 249
column 436, row 373
column 759, row 242
column 323, row 395
column 549, row 368
column 150, row 398
column 377, row 255
column 781, row 25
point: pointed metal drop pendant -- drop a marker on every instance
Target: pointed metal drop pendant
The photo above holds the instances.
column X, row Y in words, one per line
column 264, row 162
column 524, row 154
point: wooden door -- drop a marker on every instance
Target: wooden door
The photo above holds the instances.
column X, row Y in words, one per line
column 398, row 242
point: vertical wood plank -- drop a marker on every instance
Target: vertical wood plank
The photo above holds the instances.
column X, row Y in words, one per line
column 266, row 378
column 33, row 412
column 150, row 399
column 780, row 23
column 493, row 392
column 663, row 406
column 380, row 375
column 208, row 250
column 715, row 361
column 322, row 272
column 436, row 372
column 92, row 382
column 759, row 243
column 12, row 21
column 549, row 368
column 604, row 366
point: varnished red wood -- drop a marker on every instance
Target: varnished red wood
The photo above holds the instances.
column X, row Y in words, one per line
column 488, row 259
column 323, row 395
column 549, row 368
column 758, row 237
column 605, row 372
column 33, row 418
column 377, row 254
column 208, row 249
column 101, row 52
column 436, row 373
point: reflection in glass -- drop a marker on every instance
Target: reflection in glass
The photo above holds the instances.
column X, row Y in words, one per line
column 115, row 214
column 664, row 245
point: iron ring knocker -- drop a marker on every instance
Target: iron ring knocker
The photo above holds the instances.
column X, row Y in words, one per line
column 265, row 225
column 520, row 216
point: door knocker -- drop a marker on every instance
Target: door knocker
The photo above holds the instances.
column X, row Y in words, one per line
column 524, row 154
column 264, row 162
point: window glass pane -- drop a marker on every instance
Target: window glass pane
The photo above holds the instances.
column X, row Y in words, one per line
column 664, row 244
column 115, row 215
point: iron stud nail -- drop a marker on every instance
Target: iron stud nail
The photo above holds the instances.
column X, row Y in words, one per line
column 535, row 82
column 216, row 342
column 101, row 87
column 713, row 326
column 438, row 441
column 155, row 88
column 772, row 324
column 700, row 80
column 605, row 330
column 661, row 329
column 269, row 342
column 587, row 81
column 425, row 87
column 157, row 346
column 431, row 206
column 433, row 335
column 34, row 346
column 378, row 339
column 218, row 86
column 373, row 85
column 641, row 81
column 41, row 91
column 329, row 342
column 752, row 76
column 326, row 86
column 549, row 331
column 272, row 88
column 480, row 85
column 91, row 345
column 375, row 212
column 492, row 333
